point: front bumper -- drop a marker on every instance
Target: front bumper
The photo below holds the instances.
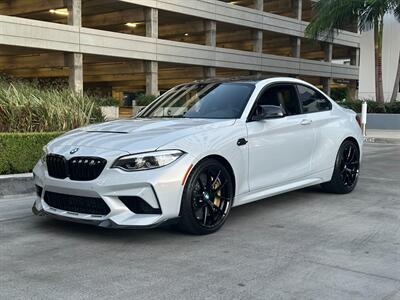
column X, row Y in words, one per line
column 160, row 188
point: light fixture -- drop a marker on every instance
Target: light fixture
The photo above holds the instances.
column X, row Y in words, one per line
column 186, row 34
column 132, row 24
column 59, row 11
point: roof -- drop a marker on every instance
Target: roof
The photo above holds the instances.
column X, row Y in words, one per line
column 253, row 79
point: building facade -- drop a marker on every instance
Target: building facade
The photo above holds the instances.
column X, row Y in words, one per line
column 390, row 60
column 117, row 47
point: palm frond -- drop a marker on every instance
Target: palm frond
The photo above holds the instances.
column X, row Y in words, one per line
column 396, row 10
column 331, row 15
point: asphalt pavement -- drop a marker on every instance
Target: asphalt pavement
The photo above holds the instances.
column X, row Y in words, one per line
column 301, row 245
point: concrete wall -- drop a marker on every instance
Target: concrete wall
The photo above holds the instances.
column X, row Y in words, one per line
column 248, row 17
column 383, row 121
column 391, row 49
column 44, row 35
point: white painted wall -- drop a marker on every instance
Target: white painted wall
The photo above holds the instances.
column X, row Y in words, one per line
column 391, row 49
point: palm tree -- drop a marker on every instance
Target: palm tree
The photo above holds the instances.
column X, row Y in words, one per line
column 397, row 80
column 396, row 83
column 331, row 15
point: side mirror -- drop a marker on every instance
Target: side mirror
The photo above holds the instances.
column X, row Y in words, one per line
column 263, row 112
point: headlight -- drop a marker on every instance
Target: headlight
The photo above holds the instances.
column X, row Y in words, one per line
column 147, row 161
column 45, row 151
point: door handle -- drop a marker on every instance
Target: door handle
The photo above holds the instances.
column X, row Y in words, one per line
column 241, row 142
column 306, row 122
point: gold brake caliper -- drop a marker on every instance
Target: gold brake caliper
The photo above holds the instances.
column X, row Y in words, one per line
column 217, row 198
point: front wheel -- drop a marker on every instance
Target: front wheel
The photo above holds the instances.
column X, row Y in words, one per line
column 347, row 168
column 207, row 198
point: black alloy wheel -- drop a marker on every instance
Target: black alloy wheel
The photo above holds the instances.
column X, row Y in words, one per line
column 347, row 169
column 207, row 198
column 349, row 165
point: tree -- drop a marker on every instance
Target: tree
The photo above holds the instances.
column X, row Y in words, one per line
column 397, row 80
column 396, row 83
column 331, row 15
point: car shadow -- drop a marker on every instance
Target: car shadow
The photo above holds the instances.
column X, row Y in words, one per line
column 166, row 233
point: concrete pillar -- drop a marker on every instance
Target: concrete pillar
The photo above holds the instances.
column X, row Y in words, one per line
column 258, row 34
column 75, row 64
column 209, row 72
column 328, row 49
column 355, row 57
column 151, row 68
column 210, row 28
column 258, row 41
column 296, row 47
column 257, row 74
column 327, row 83
column 210, row 33
column 259, row 5
column 74, row 12
column 151, row 17
column 353, row 90
column 298, row 8
column 75, row 60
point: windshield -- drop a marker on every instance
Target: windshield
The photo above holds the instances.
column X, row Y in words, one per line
column 201, row 100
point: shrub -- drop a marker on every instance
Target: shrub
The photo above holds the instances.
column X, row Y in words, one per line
column 107, row 101
column 393, row 108
column 25, row 107
column 354, row 105
column 376, row 107
column 144, row 100
column 339, row 93
column 19, row 152
column 372, row 106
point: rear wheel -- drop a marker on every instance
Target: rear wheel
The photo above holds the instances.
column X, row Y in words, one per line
column 347, row 168
column 207, row 198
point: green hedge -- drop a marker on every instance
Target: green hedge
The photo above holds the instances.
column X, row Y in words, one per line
column 19, row 152
column 373, row 106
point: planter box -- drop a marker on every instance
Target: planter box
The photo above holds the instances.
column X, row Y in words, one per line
column 136, row 109
column 383, row 121
column 110, row 112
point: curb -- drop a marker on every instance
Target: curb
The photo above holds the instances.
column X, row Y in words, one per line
column 374, row 140
column 16, row 184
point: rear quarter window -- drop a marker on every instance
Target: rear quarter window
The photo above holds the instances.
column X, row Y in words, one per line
column 312, row 100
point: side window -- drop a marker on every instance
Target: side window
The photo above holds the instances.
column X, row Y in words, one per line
column 312, row 100
column 284, row 96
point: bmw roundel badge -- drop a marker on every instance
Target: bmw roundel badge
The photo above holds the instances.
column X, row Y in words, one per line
column 73, row 151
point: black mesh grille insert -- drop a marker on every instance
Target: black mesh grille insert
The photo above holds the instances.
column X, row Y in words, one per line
column 138, row 205
column 80, row 168
column 85, row 168
column 57, row 166
column 77, row 204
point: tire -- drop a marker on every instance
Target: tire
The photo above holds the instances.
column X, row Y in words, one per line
column 207, row 198
column 346, row 171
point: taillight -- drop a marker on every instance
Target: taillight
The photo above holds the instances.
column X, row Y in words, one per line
column 358, row 119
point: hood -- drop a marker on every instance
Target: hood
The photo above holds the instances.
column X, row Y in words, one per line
column 135, row 135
